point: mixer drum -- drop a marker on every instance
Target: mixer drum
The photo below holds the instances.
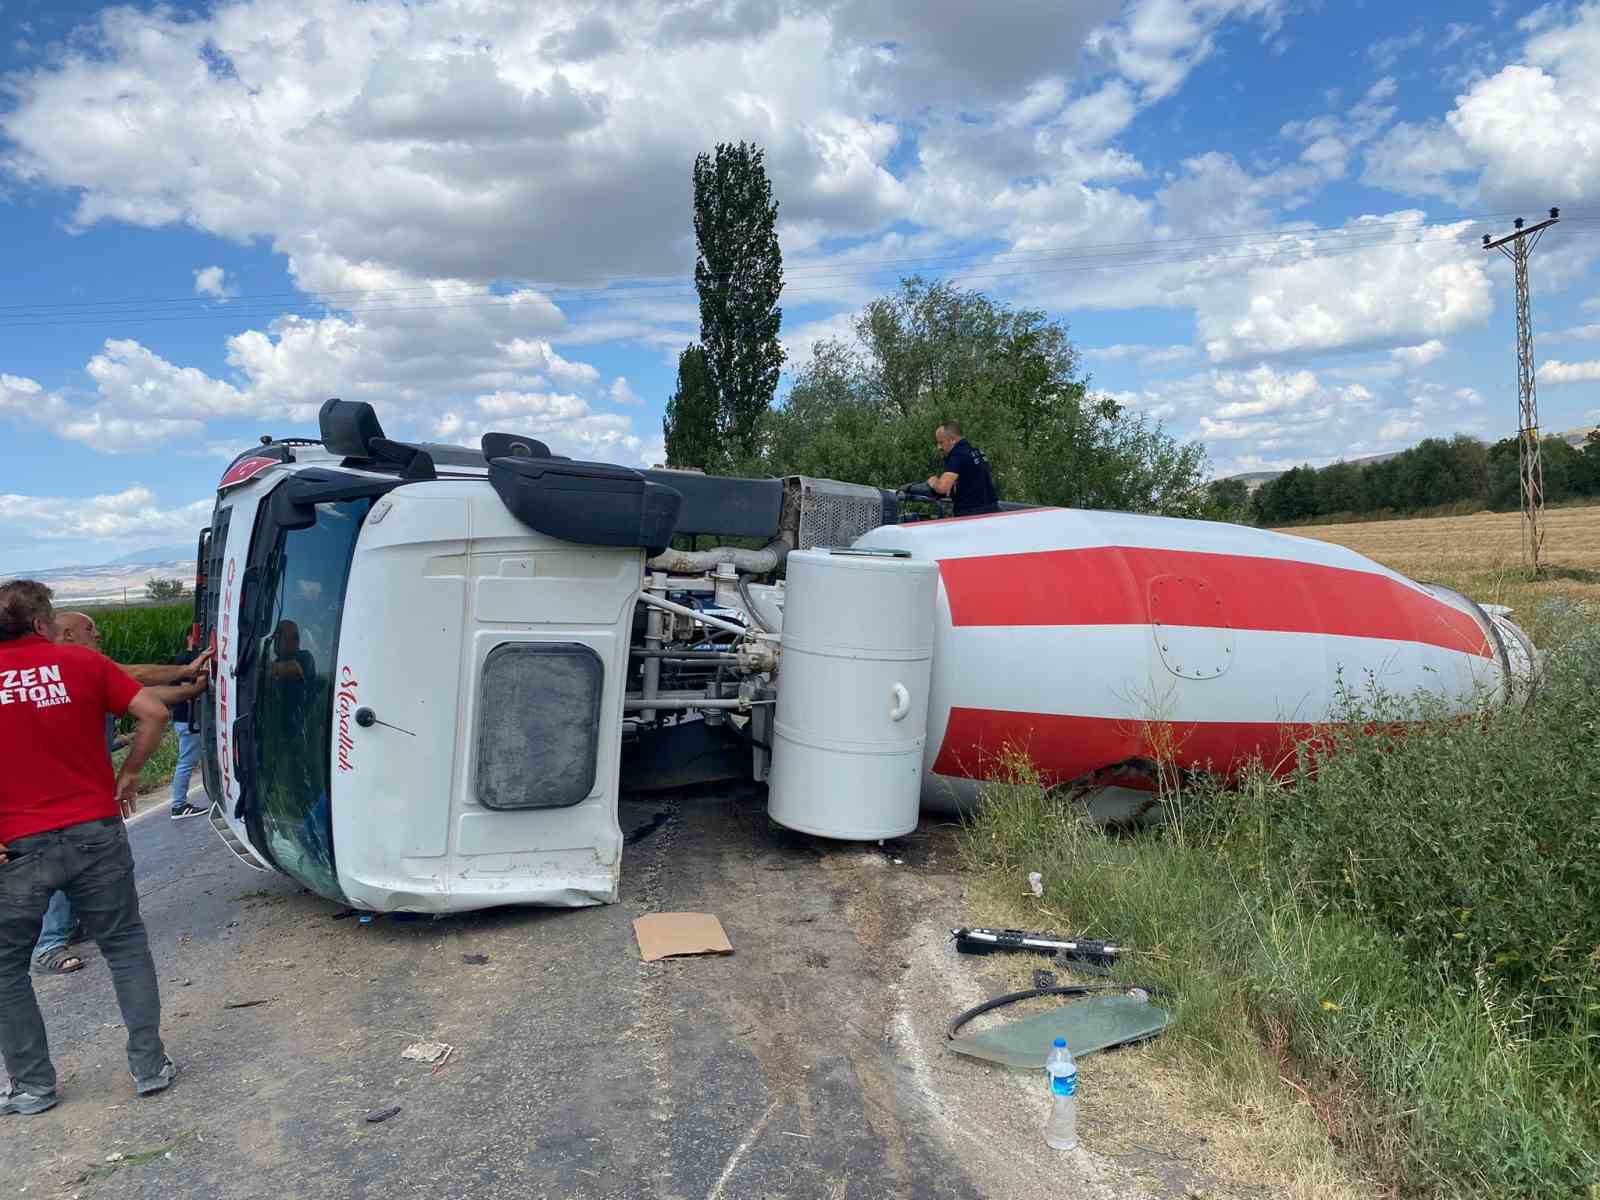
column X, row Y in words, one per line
column 1097, row 643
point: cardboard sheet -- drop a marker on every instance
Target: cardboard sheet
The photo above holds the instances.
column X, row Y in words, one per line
column 670, row 935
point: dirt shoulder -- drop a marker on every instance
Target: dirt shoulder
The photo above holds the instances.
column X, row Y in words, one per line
column 808, row 1063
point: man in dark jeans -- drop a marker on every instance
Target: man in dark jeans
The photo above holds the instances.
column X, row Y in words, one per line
column 52, row 956
column 61, row 828
column 965, row 474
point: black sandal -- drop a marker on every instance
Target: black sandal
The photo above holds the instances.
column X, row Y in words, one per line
column 54, row 962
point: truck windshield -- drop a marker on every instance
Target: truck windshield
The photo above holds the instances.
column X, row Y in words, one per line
column 302, row 603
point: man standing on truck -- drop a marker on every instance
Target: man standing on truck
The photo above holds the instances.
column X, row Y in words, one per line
column 966, row 473
column 61, row 828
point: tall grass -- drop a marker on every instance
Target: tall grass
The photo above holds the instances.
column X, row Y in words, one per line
column 159, row 767
column 147, row 634
column 1407, row 938
column 144, row 634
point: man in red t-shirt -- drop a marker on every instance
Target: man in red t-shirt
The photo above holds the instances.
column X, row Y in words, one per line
column 61, row 828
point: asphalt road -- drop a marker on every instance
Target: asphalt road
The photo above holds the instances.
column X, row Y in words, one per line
column 803, row 1065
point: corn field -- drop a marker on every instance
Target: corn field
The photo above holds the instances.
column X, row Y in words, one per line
column 145, row 634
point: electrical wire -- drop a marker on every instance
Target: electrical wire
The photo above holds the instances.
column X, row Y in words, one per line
column 1285, row 254
column 1300, row 244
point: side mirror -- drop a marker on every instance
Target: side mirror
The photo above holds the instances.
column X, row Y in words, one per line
column 349, row 427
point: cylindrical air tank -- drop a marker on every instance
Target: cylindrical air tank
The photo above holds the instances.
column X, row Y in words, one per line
column 1097, row 643
column 850, row 729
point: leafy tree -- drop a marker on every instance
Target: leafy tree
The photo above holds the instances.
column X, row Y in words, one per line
column 1586, row 476
column 1470, row 467
column 1292, row 496
column 1505, row 480
column 690, row 427
column 739, row 276
column 1339, row 488
column 163, row 589
column 1227, row 500
column 864, row 409
column 1562, row 463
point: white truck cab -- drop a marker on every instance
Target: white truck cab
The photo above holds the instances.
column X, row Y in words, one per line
column 419, row 697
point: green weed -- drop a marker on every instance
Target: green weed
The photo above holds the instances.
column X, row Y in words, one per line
column 1407, row 936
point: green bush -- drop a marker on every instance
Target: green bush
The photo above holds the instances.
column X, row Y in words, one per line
column 1411, row 930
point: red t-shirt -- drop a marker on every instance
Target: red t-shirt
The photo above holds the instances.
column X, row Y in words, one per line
column 54, row 770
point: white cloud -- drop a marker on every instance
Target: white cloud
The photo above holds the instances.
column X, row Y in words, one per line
column 445, row 344
column 1150, row 356
column 132, row 512
column 1385, row 53
column 1414, row 160
column 1522, row 136
column 1556, row 371
column 1156, row 43
column 1098, row 117
column 552, row 406
column 1418, row 287
column 1420, row 355
column 212, row 281
column 1331, row 139
column 133, row 379
column 533, row 148
column 1579, row 333
column 21, row 397
column 566, row 423
column 1214, row 194
column 538, row 356
column 1269, row 418
column 555, row 144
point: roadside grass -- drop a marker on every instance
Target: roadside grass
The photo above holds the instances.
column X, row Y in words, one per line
column 1405, row 941
column 159, row 767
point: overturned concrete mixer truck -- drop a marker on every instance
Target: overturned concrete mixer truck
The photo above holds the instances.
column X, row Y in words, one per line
column 437, row 667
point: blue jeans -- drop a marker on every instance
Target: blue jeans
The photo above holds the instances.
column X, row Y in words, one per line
column 188, row 756
column 93, row 864
column 57, row 925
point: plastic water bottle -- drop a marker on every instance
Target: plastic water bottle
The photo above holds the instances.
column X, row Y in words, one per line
column 1061, row 1130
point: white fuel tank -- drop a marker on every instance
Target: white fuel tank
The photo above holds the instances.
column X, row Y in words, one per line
column 852, row 719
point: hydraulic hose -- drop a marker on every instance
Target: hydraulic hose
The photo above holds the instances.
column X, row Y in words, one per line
column 746, row 562
column 1074, row 989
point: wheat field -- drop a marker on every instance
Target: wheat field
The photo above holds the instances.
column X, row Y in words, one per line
column 1481, row 555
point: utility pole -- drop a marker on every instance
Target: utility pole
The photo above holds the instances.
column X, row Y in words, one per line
column 1517, row 247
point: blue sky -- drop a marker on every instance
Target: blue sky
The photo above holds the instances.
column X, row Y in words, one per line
column 1260, row 218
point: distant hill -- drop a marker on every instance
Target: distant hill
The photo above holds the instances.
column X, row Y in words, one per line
column 1254, row 479
column 111, row 582
column 154, row 556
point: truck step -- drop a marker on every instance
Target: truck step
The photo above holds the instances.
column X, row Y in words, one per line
column 229, row 839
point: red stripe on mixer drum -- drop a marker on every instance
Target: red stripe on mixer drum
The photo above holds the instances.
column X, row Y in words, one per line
column 977, row 742
column 1135, row 585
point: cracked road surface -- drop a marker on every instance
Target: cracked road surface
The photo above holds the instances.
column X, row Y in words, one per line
column 806, row 1064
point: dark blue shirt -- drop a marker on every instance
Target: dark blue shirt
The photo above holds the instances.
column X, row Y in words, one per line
column 974, row 492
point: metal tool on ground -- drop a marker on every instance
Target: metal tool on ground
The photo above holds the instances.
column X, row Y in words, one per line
column 986, row 941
